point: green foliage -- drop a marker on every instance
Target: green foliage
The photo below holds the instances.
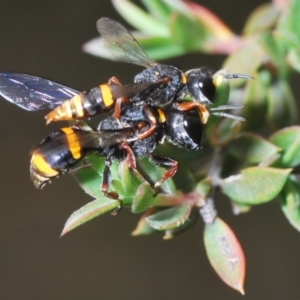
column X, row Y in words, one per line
column 253, row 163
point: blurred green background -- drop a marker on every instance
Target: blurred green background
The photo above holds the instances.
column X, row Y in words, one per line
column 100, row 260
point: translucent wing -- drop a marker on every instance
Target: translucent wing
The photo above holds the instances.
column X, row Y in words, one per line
column 90, row 140
column 122, row 44
column 33, row 93
column 107, row 138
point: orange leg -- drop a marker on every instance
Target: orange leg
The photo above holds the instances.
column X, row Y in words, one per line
column 184, row 106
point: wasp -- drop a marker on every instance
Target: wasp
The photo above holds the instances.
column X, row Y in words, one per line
column 157, row 85
column 126, row 139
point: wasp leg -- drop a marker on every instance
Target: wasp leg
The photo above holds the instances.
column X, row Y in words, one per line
column 185, row 106
column 114, row 80
column 165, row 162
column 118, row 104
column 131, row 159
column 152, row 124
column 117, row 110
column 106, row 180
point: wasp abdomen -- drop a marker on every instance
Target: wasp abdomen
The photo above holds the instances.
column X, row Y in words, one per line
column 56, row 154
column 84, row 105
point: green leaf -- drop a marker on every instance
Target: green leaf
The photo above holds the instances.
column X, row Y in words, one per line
column 96, row 162
column 190, row 222
column 282, row 109
column 143, row 199
column 252, row 148
column 89, row 180
column 88, row 212
column 159, row 48
column 290, row 201
column 225, row 254
column 238, row 208
column 276, row 48
column 238, row 62
column 180, row 25
column 256, row 101
column 290, row 20
column 293, row 59
column 170, row 218
column 289, row 140
column 203, row 188
column 128, row 179
column 140, row 19
column 225, row 132
column 157, row 8
column 262, row 19
column 154, row 174
column 142, row 227
column 255, row 185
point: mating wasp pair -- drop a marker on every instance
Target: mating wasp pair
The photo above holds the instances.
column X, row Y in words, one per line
column 141, row 114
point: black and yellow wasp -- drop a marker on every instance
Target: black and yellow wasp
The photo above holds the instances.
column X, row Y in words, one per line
column 156, row 86
column 142, row 113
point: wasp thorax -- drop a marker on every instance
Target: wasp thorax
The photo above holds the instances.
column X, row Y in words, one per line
column 200, row 85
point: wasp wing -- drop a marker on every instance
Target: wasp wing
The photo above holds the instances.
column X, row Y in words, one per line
column 82, row 141
column 33, row 93
column 122, row 44
column 105, row 138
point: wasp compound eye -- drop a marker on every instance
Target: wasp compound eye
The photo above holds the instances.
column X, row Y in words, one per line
column 200, row 85
column 194, row 130
column 185, row 129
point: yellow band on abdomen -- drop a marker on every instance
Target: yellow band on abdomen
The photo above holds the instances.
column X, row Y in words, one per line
column 106, row 95
column 42, row 166
column 73, row 142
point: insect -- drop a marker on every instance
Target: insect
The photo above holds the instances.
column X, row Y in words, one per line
column 156, row 86
column 62, row 150
column 128, row 138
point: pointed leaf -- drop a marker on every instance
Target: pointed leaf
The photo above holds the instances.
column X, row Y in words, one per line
column 211, row 21
column 293, row 59
column 154, row 174
column 256, row 101
column 89, row 180
column 276, row 49
column 129, row 181
column 88, row 212
column 252, row 148
column 142, row 227
column 238, row 208
column 193, row 198
column 159, row 48
column 180, row 25
column 239, row 61
column 290, row 201
column 225, row 254
column 170, row 218
column 140, row 19
column 157, row 8
column 204, row 187
column 290, row 20
column 262, row 19
column 143, row 199
column 225, row 132
column 190, row 222
column 289, row 140
column 255, row 185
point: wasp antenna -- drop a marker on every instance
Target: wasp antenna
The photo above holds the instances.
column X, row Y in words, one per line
column 226, row 107
column 229, row 116
column 237, row 75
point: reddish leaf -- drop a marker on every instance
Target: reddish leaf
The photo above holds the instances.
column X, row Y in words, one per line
column 225, row 254
column 88, row 212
